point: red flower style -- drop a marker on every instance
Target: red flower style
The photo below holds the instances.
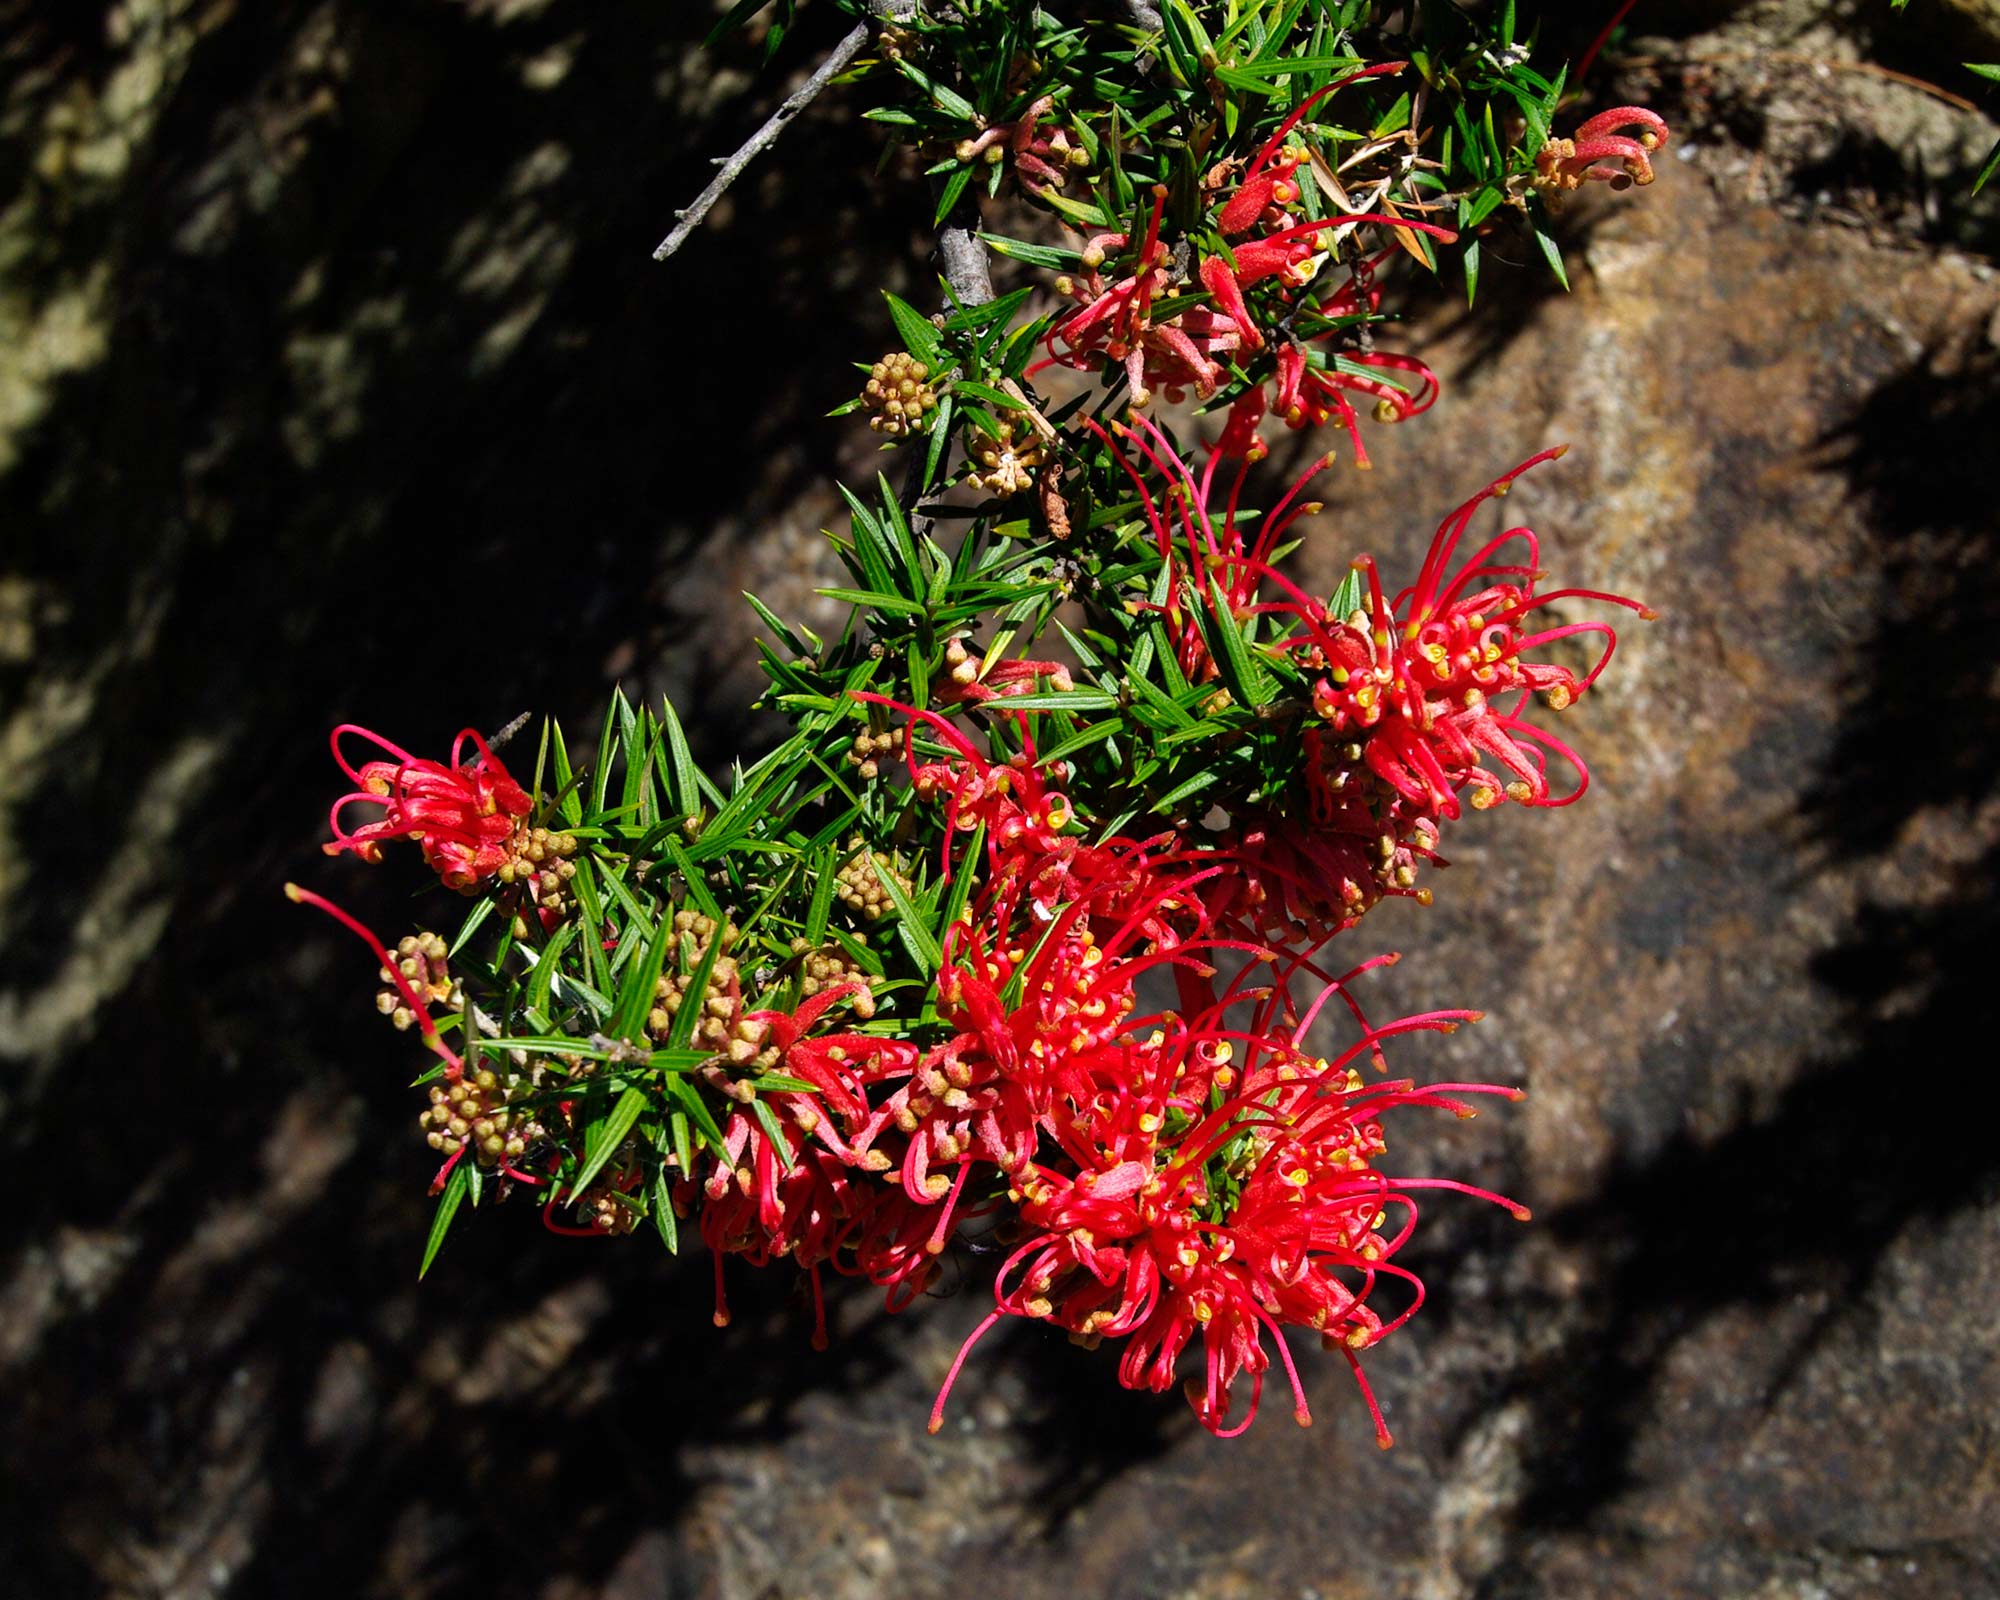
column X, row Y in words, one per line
column 1418, row 682
column 465, row 815
column 415, row 999
column 1225, row 1206
column 1604, row 151
column 1209, row 554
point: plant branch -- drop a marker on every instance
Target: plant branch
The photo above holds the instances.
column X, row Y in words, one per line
column 963, row 256
column 766, row 136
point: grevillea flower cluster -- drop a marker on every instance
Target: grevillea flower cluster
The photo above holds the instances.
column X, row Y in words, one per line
column 1176, row 324
column 1018, row 949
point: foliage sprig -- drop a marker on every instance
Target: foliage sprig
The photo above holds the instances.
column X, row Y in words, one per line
column 1025, row 930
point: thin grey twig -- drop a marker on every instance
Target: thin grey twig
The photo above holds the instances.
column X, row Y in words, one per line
column 795, row 102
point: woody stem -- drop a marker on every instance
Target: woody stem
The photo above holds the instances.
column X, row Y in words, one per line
column 760, row 141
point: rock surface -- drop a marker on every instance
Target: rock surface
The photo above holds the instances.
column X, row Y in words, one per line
column 325, row 323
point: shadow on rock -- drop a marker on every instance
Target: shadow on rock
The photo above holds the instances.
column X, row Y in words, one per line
column 1808, row 1199
column 393, row 420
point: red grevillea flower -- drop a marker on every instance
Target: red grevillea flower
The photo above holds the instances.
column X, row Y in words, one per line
column 1603, row 150
column 465, row 814
column 1115, row 324
column 1303, row 878
column 1423, row 682
column 1014, row 800
column 1194, row 1201
column 1311, row 386
column 1187, row 350
column 1416, row 699
column 968, row 680
column 807, row 1196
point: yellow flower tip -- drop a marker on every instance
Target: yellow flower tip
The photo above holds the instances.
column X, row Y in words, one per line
column 1648, row 614
column 1303, row 1417
column 722, row 1319
column 1522, row 1213
column 1385, row 1440
column 293, row 893
column 935, row 1425
column 1559, row 452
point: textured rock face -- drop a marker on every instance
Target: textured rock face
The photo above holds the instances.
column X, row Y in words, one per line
column 324, row 323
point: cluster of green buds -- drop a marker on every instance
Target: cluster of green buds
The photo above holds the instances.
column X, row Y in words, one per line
column 898, row 394
column 828, row 968
column 859, row 883
column 866, row 753
column 479, row 1110
column 420, row 960
column 541, row 863
column 602, row 1204
column 1007, row 461
column 721, row 997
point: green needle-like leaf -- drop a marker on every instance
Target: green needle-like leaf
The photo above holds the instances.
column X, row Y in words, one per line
column 447, row 1207
column 601, row 1140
